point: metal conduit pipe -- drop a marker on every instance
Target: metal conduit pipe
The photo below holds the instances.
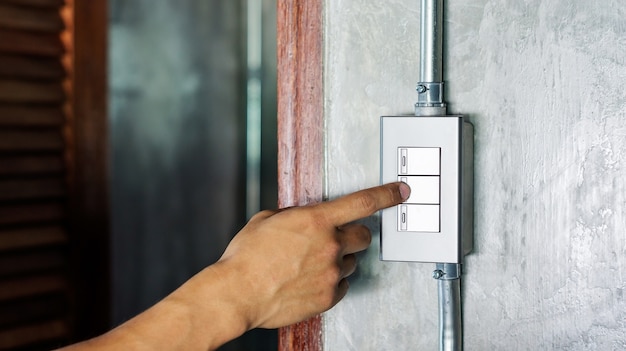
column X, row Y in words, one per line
column 431, row 41
column 431, row 103
column 430, row 87
column 450, row 319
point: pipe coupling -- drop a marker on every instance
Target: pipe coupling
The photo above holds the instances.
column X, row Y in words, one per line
column 447, row 271
column 429, row 94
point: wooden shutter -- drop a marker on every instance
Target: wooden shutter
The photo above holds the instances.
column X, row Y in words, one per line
column 40, row 291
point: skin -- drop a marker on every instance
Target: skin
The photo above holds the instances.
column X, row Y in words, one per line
column 283, row 267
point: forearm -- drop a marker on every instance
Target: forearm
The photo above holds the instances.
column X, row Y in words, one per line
column 201, row 315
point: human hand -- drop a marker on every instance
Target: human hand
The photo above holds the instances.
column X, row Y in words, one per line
column 292, row 264
column 282, row 267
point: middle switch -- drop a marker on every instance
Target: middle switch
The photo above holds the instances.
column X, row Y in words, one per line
column 424, row 189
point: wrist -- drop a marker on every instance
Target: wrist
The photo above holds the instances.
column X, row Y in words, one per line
column 213, row 305
column 202, row 314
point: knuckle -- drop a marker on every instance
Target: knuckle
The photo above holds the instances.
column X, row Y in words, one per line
column 330, row 276
column 327, row 296
column 367, row 202
column 311, row 218
column 358, row 234
column 393, row 195
column 367, row 235
column 262, row 215
column 334, row 274
column 333, row 248
column 364, row 233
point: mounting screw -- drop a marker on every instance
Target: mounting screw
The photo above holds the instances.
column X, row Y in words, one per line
column 438, row 274
column 421, row 89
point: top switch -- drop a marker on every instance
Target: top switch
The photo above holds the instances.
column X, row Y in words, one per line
column 419, row 161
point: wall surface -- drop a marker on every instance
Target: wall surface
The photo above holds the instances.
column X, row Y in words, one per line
column 543, row 83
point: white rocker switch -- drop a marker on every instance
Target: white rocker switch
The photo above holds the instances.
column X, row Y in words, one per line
column 418, row 218
column 418, row 160
column 424, row 189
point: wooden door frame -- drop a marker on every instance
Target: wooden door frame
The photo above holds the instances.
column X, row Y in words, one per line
column 300, row 129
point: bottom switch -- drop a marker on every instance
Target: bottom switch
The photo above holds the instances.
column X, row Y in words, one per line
column 418, row 218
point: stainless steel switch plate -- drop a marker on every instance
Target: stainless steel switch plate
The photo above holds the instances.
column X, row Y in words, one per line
column 434, row 155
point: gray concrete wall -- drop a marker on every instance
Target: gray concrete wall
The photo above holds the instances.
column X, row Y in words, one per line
column 543, row 83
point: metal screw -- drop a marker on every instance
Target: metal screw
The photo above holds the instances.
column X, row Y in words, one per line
column 421, row 89
column 438, row 274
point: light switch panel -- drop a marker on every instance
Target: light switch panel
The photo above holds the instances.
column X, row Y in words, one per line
column 434, row 155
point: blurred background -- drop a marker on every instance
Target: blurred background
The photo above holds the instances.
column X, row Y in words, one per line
column 192, row 88
column 136, row 138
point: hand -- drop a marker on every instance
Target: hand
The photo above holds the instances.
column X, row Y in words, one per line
column 292, row 264
column 281, row 268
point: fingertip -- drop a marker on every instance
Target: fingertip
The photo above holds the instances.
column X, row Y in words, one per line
column 342, row 289
column 368, row 237
column 405, row 191
column 345, row 284
column 365, row 202
column 349, row 265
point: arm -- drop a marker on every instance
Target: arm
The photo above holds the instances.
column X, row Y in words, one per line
column 282, row 267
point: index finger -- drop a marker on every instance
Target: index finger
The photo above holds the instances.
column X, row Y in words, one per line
column 364, row 203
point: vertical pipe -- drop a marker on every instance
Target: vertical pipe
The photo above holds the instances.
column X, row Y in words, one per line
column 430, row 101
column 431, row 41
column 450, row 319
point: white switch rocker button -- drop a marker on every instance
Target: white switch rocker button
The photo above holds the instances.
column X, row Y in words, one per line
column 424, row 189
column 419, row 160
column 418, row 218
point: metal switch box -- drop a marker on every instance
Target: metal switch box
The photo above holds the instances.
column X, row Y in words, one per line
column 434, row 156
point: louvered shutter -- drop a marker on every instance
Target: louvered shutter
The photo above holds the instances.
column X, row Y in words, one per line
column 35, row 290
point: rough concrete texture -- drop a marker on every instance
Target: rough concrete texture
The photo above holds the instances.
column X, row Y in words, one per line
column 543, row 83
